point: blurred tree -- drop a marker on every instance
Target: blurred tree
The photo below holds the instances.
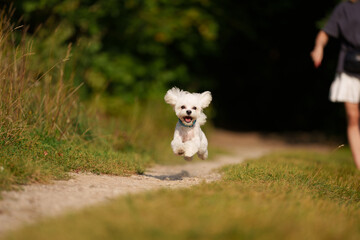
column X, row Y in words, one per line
column 131, row 49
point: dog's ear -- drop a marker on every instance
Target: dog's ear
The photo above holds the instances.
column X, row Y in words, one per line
column 172, row 95
column 205, row 99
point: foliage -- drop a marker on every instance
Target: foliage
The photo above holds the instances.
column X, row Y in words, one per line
column 280, row 196
column 128, row 49
column 240, row 50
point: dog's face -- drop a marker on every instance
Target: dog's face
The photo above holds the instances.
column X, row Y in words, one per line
column 187, row 109
column 187, row 106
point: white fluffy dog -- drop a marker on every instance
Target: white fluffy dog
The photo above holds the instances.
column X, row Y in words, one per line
column 189, row 139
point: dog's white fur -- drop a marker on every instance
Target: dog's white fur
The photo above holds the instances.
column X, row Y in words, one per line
column 189, row 139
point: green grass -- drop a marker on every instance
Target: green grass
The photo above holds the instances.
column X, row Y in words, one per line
column 301, row 195
column 43, row 159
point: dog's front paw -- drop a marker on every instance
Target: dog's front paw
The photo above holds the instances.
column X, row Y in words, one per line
column 180, row 152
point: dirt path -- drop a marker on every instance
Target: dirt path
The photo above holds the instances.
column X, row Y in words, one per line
column 43, row 200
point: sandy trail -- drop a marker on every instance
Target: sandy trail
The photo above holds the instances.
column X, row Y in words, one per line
column 37, row 201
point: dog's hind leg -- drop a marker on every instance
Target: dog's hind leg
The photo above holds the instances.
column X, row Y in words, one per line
column 188, row 158
column 203, row 154
column 203, row 151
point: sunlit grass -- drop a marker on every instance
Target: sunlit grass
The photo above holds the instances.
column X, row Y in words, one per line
column 44, row 159
column 301, row 195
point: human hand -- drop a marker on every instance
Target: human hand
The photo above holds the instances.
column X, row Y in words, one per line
column 317, row 56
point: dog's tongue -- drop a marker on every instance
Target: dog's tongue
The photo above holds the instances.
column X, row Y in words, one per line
column 187, row 119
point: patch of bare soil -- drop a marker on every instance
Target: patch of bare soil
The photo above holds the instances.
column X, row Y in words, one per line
column 37, row 201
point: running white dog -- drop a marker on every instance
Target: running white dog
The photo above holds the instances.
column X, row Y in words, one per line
column 189, row 139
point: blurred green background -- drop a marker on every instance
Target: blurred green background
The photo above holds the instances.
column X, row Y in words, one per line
column 253, row 55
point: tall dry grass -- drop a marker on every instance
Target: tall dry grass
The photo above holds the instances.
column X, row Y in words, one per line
column 29, row 99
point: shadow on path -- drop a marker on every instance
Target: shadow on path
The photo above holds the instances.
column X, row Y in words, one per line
column 172, row 177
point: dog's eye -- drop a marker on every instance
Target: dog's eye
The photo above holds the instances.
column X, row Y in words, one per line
column 183, row 107
column 194, row 108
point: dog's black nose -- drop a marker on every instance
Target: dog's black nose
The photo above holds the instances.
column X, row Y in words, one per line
column 188, row 112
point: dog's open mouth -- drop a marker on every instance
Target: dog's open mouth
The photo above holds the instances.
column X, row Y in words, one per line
column 188, row 119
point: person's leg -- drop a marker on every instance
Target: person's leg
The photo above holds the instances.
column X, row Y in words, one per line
column 353, row 131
